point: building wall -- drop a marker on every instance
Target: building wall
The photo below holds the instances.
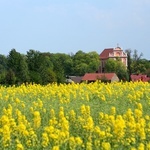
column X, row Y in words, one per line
column 114, row 79
column 117, row 53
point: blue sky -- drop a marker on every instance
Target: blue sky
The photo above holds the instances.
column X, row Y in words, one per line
column 67, row 26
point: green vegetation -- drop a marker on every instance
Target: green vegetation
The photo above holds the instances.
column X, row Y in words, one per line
column 44, row 68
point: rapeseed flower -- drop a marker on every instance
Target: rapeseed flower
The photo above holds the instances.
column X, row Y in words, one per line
column 106, row 146
column 88, row 146
column 45, row 140
column 55, row 147
column 19, row 147
column 6, row 135
column 37, row 119
column 141, row 147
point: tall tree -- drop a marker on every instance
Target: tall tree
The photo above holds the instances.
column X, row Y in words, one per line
column 93, row 61
column 3, row 68
column 33, row 65
column 134, row 63
column 85, row 62
column 58, row 60
column 46, row 68
column 10, row 77
column 129, row 62
column 33, row 59
column 18, row 64
column 118, row 67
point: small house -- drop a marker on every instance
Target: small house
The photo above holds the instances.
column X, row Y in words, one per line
column 73, row 79
column 107, row 77
column 140, row 77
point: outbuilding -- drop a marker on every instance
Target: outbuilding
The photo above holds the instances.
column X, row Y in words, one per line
column 106, row 77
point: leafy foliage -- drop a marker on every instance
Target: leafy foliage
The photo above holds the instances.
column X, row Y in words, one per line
column 44, row 68
column 118, row 67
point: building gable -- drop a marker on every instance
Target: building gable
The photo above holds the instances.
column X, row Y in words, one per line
column 113, row 53
column 100, row 76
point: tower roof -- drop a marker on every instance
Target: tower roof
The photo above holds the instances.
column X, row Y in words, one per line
column 105, row 53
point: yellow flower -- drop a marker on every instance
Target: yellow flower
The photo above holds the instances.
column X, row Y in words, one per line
column 20, row 146
column 17, row 100
column 31, row 109
column 78, row 141
column 45, row 140
column 88, row 146
column 97, row 143
column 6, row 135
column 52, row 113
column 40, row 103
column 37, row 119
column 106, row 146
column 22, row 129
column 72, row 115
column 113, row 110
column 5, row 120
column 89, row 123
column 147, row 117
column 141, row 146
column 55, row 148
column 148, row 146
column 28, row 142
column 103, row 98
column 138, row 113
column 140, row 107
column 61, row 114
column 83, row 110
column 72, row 143
column 119, row 127
column 101, row 115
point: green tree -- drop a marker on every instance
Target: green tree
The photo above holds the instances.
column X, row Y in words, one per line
column 135, row 63
column 3, row 69
column 48, row 76
column 136, row 66
column 129, row 62
column 17, row 63
column 111, row 65
column 148, row 72
column 34, row 61
column 41, row 67
column 85, row 62
column 46, row 68
column 10, row 77
column 93, row 61
column 117, row 67
column 58, row 60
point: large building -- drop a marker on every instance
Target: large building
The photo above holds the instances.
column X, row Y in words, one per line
column 113, row 53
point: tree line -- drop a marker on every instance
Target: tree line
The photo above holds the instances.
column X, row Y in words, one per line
column 43, row 68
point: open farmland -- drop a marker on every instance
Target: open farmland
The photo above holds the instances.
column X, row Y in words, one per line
column 94, row 116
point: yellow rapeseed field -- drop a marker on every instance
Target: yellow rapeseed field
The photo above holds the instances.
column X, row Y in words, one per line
column 95, row 116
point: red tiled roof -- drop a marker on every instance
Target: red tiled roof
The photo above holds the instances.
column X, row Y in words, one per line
column 105, row 53
column 95, row 76
column 139, row 77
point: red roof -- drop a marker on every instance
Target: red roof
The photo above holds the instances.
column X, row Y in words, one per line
column 105, row 53
column 95, row 76
column 139, row 77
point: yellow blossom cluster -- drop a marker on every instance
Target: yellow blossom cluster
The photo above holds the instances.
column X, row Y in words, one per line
column 94, row 116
